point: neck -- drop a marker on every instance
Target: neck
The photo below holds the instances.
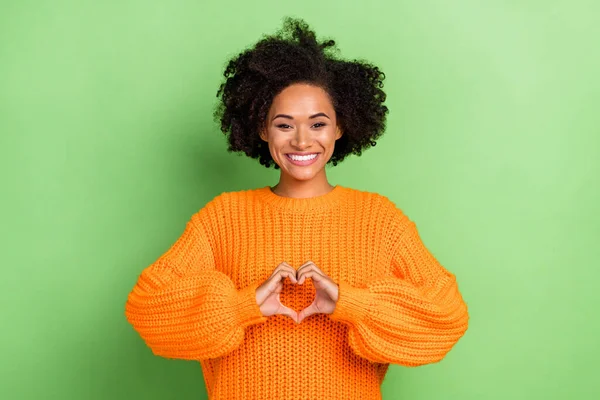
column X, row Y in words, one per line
column 290, row 187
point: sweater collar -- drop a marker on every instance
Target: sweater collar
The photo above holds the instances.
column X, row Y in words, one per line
column 324, row 201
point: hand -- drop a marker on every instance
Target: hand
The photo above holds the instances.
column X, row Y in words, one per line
column 267, row 294
column 327, row 291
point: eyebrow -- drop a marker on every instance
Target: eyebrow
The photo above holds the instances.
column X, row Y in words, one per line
column 290, row 117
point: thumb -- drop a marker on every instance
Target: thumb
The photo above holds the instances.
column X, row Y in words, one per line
column 283, row 310
column 307, row 312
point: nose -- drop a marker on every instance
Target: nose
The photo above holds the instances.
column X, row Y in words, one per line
column 301, row 138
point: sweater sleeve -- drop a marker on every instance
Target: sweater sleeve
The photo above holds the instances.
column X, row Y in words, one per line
column 182, row 307
column 412, row 317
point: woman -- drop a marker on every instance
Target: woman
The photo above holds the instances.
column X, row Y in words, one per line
column 304, row 290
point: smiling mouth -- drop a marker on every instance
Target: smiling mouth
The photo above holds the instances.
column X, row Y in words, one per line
column 304, row 159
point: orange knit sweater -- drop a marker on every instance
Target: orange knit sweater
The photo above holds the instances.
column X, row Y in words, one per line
column 396, row 303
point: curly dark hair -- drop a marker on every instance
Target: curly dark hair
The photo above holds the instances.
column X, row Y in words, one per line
column 293, row 55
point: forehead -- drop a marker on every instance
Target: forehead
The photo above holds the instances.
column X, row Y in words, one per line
column 302, row 98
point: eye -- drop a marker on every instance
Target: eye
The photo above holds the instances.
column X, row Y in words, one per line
column 283, row 126
column 319, row 124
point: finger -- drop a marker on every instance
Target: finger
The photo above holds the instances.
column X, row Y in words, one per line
column 285, row 267
column 307, row 312
column 280, row 269
column 306, row 264
column 282, row 274
column 281, row 265
column 309, row 265
column 276, row 280
column 314, row 275
column 292, row 271
column 273, row 284
column 288, row 312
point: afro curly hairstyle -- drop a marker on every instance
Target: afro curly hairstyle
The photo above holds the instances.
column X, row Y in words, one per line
column 293, row 55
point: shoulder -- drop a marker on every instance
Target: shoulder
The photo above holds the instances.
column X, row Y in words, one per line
column 386, row 209
column 374, row 198
column 226, row 198
column 222, row 203
column 221, row 211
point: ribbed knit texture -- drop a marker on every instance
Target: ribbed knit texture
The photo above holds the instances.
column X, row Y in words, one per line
column 396, row 303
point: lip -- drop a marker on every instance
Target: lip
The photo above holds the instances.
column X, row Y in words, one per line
column 303, row 163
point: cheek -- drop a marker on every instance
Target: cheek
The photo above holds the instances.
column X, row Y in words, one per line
column 327, row 138
column 277, row 143
column 275, row 140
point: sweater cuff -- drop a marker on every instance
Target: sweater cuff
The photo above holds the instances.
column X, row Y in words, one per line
column 352, row 304
column 248, row 311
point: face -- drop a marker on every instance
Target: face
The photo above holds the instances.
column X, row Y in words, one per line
column 301, row 130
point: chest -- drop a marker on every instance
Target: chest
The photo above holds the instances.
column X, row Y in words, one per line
column 342, row 248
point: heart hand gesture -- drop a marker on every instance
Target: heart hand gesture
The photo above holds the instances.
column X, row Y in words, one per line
column 326, row 291
column 268, row 293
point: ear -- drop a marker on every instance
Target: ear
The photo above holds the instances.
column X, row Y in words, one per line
column 263, row 134
column 338, row 133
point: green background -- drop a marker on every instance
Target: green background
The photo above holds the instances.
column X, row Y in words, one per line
column 108, row 147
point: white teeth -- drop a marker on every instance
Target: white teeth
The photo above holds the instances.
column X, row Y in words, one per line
column 302, row 158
